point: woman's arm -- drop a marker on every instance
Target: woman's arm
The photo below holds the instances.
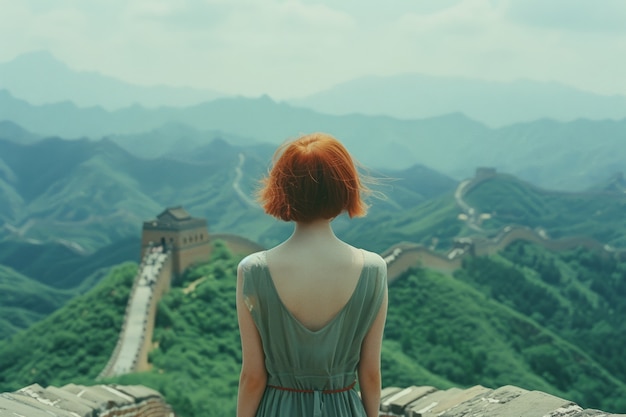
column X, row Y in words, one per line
column 253, row 376
column 369, row 363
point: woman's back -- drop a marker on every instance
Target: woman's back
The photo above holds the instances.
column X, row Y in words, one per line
column 311, row 310
column 312, row 365
column 316, row 278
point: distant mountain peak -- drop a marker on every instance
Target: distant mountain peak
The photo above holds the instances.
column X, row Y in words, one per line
column 266, row 97
column 616, row 183
column 39, row 56
column 16, row 133
column 495, row 103
column 23, row 76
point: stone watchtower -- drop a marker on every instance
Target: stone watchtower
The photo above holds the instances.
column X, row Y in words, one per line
column 175, row 230
column 484, row 173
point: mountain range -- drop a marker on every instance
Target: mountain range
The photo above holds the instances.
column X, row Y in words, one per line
column 496, row 104
column 41, row 78
column 567, row 156
column 88, row 194
column 93, row 193
column 550, row 149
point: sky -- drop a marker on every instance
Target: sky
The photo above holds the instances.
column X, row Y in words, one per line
column 293, row 48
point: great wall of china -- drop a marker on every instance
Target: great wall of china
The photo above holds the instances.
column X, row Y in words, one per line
column 152, row 280
column 159, row 265
column 405, row 255
column 135, row 339
column 155, row 272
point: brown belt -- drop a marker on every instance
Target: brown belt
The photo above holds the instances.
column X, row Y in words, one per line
column 310, row 391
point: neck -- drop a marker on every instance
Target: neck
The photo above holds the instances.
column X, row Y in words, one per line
column 315, row 230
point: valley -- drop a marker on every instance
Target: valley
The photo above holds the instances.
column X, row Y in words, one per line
column 497, row 274
column 97, row 194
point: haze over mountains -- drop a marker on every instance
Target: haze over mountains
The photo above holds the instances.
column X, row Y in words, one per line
column 573, row 156
column 445, row 131
column 412, row 96
column 39, row 78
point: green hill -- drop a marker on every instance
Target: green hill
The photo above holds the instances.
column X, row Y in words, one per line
column 597, row 214
column 488, row 325
column 527, row 317
column 578, row 294
column 60, row 266
column 92, row 194
column 71, row 344
column 468, row 337
column 507, row 200
column 433, row 222
column 24, row 301
column 37, row 279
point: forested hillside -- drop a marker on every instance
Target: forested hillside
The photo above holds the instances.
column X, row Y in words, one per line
column 91, row 194
column 72, row 344
column 520, row 318
column 24, row 301
column 38, row 278
column 95, row 193
column 529, row 317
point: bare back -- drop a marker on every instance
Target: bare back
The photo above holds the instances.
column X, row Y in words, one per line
column 315, row 281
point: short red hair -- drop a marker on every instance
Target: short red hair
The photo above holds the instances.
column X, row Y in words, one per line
column 313, row 177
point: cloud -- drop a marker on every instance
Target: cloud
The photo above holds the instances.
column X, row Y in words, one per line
column 290, row 48
column 274, row 23
column 571, row 15
column 477, row 39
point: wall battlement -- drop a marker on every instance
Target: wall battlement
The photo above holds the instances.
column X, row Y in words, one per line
column 506, row 401
column 85, row 401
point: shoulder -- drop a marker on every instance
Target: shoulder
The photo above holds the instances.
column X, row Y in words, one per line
column 375, row 276
column 374, row 259
column 252, row 261
column 375, row 263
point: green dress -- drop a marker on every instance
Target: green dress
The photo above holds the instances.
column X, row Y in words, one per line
column 304, row 366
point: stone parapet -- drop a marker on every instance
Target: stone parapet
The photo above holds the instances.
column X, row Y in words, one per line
column 478, row 401
column 84, row 401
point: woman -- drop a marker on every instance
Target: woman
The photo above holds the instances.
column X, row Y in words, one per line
column 311, row 310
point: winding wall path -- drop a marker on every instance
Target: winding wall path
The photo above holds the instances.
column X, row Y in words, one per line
column 153, row 279
column 237, row 183
column 135, row 339
column 155, row 271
